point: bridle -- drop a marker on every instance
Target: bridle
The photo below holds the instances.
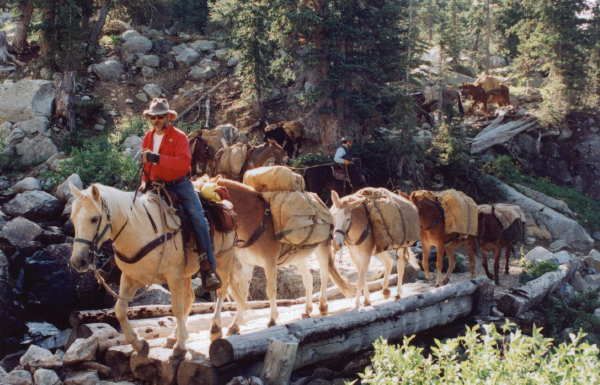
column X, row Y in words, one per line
column 363, row 236
column 96, row 242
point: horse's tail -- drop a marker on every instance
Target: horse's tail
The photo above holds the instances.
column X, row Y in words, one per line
column 347, row 289
column 460, row 106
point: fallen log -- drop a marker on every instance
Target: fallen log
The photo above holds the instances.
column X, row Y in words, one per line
column 500, row 133
column 118, row 357
column 253, row 346
column 197, row 371
column 158, row 367
column 518, row 300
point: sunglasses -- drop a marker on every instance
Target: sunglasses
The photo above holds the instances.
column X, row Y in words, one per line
column 157, row 117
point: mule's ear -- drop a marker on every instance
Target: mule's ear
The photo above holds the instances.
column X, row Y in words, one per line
column 75, row 191
column 356, row 202
column 335, row 198
column 95, row 193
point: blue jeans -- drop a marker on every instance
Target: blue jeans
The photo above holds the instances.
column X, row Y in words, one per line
column 193, row 209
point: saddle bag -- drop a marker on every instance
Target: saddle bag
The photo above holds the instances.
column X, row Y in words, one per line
column 221, row 215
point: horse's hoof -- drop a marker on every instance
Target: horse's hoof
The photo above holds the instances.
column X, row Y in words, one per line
column 271, row 323
column 215, row 333
column 144, row 349
column 397, row 297
column 178, row 353
column 323, row 309
column 386, row 293
column 367, row 302
column 305, row 315
column 234, row 330
column 171, row 341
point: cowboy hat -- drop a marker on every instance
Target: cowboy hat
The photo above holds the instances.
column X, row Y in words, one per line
column 160, row 106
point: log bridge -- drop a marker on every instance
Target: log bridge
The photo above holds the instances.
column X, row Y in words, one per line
column 273, row 353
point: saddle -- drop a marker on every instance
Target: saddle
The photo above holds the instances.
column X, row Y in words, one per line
column 339, row 173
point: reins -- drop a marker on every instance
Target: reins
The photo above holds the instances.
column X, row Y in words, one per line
column 363, row 236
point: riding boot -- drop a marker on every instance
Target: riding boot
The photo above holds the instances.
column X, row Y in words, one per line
column 210, row 278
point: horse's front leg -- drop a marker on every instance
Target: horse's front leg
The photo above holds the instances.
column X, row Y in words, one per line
column 388, row 265
column 215, row 328
column 271, row 278
column 307, row 281
column 181, row 291
column 127, row 289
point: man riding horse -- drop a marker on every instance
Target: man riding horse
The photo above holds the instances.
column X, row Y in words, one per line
column 167, row 161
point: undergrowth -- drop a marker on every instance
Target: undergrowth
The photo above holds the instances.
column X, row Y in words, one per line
column 534, row 270
column 576, row 313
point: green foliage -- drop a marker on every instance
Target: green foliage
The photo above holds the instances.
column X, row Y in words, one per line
column 448, row 146
column 310, row 159
column 191, row 14
column 133, row 126
column 486, row 357
column 575, row 313
column 98, row 160
column 587, row 209
column 533, row 270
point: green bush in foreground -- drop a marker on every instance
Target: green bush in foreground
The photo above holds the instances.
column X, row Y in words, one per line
column 533, row 270
column 486, row 357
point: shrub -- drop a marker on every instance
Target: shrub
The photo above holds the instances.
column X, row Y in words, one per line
column 98, row 160
column 133, row 126
column 576, row 313
column 311, row 159
column 533, row 270
column 486, row 357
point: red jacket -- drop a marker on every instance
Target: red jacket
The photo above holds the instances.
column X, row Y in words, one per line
column 175, row 158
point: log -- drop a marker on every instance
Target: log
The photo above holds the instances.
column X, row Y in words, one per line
column 279, row 361
column 500, row 133
column 314, row 330
column 158, row 368
column 118, row 357
column 107, row 335
column 153, row 311
column 197, row 371
column 518, row 300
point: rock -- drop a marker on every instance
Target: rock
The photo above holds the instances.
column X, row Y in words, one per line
column 128, row 101
column 593, row 282
column 355, row 366
column 5, row 129
column 34, row 205
column 82, row 349
column 203, row 45
column 578, row 282
column 135, row 43
column 148, row 61
column 27, row 184
column 141, row 97
column 63, row 192
column 593, row 260
column 340, row 381
column 323, row 373
column 132, row 142
column 26, row 99
column 559, row 226
column 36, row 357
column 46, row 377
column 566, row 291
column 245, row 381
column 148, row 72
column 232, row 62
column 38, row 124
column 187, row 56
column 15, row 136
column 202, row 73
column 83, row 378
column 596, row 235
column 20, row 231
column 108, row 70
column 423, row 138
column 153, row 90
column 178, row 49
column 3, row 374
column 154, row 295
column 563, row 257
column 53, row 288
column 540, row 254
column 33, row 151
column 19, row 377
column 558, row 245
column 597, row 312
column 318, row 381
column 222, row 54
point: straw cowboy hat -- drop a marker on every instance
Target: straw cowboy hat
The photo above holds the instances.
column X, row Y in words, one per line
column 160, row 106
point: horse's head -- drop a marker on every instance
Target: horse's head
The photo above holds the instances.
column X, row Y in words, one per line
column 341, row 211
column 91, row 220
column 430, row 210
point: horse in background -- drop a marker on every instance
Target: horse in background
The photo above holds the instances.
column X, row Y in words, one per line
column 234, row 161
column 322, row 179
column 288, row 134
column 480, row 96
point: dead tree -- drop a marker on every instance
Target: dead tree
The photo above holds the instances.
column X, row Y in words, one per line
column 65, row 100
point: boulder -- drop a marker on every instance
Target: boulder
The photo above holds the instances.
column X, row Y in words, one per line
column 27, row 184
column 148, row 61
column 153, row 90
column 108, row 70
column 5, row 129
column 141, row 97
column 539, row 254
column 592, row 281
column 36, row 150
column 3, row 220
column 34, row 205
column 154, row 295
column 46, row 377
column 558, row 245
column 83, row 378
column 15, row 136
column 559, row 226
column 222, row 54
column 134, row 43
column 11, row 322
column 20, row 231
column 597, row 312
column 63, row 192
column 26, row 99
column 563, row 257
column 187, row 56
column 179, row 48
column 53, row 288
column 593, row 260
column 202, row 73
column 132, row 142
column 82, row 349
column 36, row 125
column 147, row 72
column 36, row 357
column 203, row 45
column 232, row 62
column 19, row 377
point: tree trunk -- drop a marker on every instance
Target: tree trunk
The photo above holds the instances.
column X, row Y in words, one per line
column 65, row 104
column 46, row 36
column 488, row 22
column 97, row 29
column 22, row 25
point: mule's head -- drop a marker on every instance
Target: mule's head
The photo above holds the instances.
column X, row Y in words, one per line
column 341, row 211
column 91, row 224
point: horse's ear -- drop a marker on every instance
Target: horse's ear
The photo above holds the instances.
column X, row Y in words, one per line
column 75, row 191
column 96, row 193
column 335, row 198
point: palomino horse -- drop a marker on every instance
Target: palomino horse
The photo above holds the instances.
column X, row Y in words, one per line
column 147, row 248
column 353, row 229
column 433, row 233
column 258, row 246
column 233, row 161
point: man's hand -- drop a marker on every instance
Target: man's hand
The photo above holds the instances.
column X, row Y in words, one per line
column 347, row 162
column 142, row 187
